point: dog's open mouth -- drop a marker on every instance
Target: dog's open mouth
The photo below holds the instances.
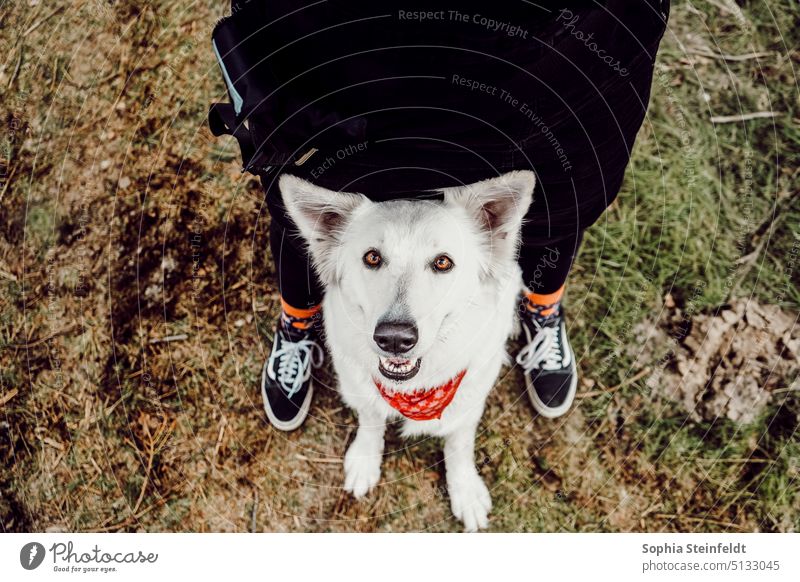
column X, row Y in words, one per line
column 399, row 369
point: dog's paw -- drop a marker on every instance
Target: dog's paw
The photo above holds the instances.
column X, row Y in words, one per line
column 362, row 469
column 470, row 501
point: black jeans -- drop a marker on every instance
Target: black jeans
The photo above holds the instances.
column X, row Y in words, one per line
column 567, row 200
column 576, row 133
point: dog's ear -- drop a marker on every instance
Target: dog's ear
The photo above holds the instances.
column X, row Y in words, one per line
column 321, row 215
column 498, row 206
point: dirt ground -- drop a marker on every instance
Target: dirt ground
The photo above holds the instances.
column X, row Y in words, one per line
column 137, row 296
column 729, row 363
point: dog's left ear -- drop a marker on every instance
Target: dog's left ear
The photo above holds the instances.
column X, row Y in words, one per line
column 321, row 215
column 498, row 206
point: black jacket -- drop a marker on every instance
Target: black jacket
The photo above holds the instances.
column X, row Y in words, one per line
column 401, row 97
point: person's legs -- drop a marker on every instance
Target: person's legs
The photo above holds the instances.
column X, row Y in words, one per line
column 301, row 291
column 547, row 358
column 544, row 273
column 593, row 120
column 286, row 383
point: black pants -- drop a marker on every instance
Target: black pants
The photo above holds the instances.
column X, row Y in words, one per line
column 597, row 138
column 577, row 137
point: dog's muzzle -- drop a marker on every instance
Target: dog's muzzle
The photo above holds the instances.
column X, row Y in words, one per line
column 396, row 339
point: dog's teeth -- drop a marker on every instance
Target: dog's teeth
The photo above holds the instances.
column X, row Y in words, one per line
column 398, row 365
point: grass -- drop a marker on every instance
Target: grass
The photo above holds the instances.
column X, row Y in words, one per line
column 112, row 174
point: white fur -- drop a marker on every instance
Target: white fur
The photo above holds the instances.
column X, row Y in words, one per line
column 464, row 317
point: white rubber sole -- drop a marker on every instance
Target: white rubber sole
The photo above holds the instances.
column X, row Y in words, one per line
column 283, row 425
column 549, row 411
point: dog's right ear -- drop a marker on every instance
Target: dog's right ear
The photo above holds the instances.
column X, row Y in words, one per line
column 321, row 215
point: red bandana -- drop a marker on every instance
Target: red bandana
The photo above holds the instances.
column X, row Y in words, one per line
column 425, row 405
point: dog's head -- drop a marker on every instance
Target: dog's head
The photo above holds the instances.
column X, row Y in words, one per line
column 406, row 271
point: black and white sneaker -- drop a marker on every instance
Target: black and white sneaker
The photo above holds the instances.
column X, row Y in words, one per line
column 548, row 362
column 286, row 384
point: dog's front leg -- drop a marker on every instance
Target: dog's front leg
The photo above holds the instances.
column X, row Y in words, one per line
column 469, row 497
column 362, row 462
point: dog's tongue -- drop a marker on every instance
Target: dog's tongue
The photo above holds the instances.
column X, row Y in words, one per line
column 427, row 404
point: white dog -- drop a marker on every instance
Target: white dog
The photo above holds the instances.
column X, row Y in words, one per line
column 420, row 301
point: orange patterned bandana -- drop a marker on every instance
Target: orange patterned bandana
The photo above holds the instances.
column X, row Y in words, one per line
column 422, row 405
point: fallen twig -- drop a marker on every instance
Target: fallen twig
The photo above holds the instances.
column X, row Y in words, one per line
column 170, row 338
column 734, row 461
column 743, row 57
column 310, row 460
column 744, row 116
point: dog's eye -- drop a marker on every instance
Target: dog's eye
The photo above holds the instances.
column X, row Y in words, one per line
column 373, row 259
column 442, row 264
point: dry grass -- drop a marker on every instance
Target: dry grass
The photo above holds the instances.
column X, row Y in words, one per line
column 123, row 221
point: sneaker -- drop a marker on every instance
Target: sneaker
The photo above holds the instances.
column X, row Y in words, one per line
column 551, row 376
column 286, row 384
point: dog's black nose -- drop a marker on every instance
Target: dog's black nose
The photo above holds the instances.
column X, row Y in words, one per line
column 396, row 337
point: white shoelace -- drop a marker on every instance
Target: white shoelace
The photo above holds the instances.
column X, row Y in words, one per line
column 543, row 351
column 292, row 358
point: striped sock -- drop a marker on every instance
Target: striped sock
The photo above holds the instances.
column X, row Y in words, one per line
column 543, row 305
column 296, row 318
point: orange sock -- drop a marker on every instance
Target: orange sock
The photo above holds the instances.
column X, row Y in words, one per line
column 544, row 304
column 298, row 318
